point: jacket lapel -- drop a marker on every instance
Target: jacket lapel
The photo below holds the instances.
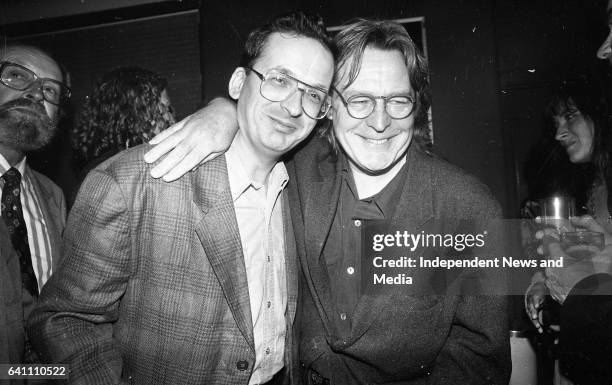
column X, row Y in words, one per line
column 414, row 209
column 321, row 201
column 218, row 232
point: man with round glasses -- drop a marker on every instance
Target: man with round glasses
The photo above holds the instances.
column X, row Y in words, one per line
column 370, row 164
column 32, row 206
column 195, row 281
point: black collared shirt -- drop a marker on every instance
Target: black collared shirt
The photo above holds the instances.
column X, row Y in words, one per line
column 342, row 250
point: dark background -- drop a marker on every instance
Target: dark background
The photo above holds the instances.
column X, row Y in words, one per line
column 493, row 63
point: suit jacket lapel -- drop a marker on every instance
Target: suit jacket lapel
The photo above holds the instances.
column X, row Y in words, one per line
column 218, row 232
column 413, row 210
column 321, row 202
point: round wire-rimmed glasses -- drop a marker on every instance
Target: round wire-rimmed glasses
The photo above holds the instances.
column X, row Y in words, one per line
column 361, row 106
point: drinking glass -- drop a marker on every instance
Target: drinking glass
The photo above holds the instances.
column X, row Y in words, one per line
column 556, row 212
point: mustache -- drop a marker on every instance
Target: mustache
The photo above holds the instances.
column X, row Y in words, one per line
column 22, row 102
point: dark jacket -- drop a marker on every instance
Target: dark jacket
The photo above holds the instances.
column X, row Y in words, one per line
column 397, row 339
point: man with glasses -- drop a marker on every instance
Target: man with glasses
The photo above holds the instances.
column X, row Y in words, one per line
column 370, row 164
column 195, row 281
column 32, row 206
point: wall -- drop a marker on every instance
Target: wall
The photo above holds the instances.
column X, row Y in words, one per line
column 17, row 11
column 539, row 44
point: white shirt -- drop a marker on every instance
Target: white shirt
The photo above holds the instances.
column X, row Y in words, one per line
column 38, row 235
column 260, row 223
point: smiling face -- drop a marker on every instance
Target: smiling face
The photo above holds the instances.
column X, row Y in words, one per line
column 27, row 121
column 376, row 143
column 575, row 133
column 272, row 128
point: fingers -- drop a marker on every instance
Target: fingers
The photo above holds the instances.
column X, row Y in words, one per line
column 532, row 310
column 548, row 236
column 169, row 143
column 167, row 132
column 555, row 328
column 170, row 161
column 534, row 298
column 186, row 163
column 547, row 232
column 538, row 220
column 587, row 222
column 554, row 248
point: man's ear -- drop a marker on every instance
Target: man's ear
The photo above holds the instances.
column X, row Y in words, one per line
column 236, row 82
column 330, row 113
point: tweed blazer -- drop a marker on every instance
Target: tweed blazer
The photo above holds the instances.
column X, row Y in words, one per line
column 397, row 339
column 152, row 288
column 16, row 303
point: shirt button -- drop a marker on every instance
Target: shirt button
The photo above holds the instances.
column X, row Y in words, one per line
column 350, row 270
column 269, row 304
column 242, row 365
column 357, row 223
column 267, row 350
column 343, row 316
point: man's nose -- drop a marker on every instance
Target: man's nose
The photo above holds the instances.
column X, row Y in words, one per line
column 35, row 91
column 293, row 104
column 379, row 119
column 605, row 50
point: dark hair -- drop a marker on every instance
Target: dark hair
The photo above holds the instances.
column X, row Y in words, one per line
column 553, row 172
column 295, row 23
column 124, row 110
column 586, row 95
column 352, row 41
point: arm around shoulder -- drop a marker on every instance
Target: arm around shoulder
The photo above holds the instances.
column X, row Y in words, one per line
column 200, row 137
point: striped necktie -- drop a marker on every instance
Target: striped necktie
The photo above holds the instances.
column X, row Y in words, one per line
column 12, row 213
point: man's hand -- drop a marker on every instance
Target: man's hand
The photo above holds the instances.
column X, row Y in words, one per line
column 198, row 138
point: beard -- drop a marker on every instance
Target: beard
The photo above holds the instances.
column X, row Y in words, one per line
column 25, row 125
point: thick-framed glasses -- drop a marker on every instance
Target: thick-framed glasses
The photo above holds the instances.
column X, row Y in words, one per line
column 362, row 106
column 20, row 78
column 277, row 86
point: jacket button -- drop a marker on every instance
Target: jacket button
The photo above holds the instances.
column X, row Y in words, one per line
column 242, row 365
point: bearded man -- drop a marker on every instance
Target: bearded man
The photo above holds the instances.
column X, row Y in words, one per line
column 33, row 212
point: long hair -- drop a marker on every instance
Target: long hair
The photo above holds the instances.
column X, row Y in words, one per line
column 557, row 174
column 124, row 110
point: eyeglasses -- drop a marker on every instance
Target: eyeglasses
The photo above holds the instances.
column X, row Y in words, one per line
column 20, row 78
column 362, row 106
column 277, row 86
